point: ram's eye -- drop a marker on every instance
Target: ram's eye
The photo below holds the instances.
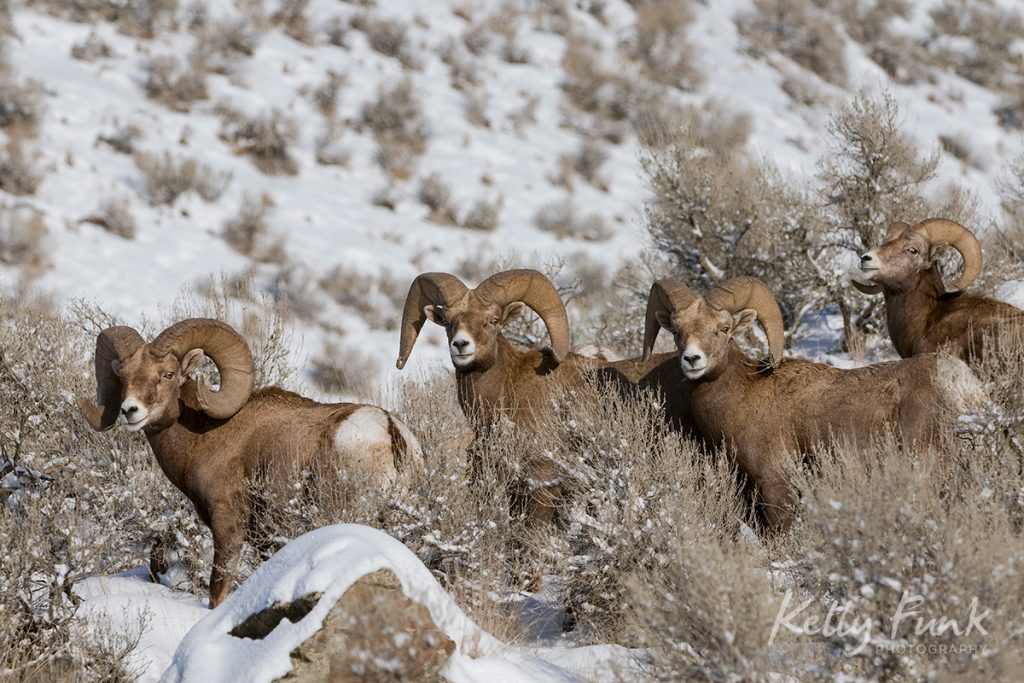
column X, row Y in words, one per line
column 494, row 320
column 724, row 329
column 912, row 250
column 168, row 375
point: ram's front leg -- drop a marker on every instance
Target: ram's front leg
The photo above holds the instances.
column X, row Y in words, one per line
column 228, row 522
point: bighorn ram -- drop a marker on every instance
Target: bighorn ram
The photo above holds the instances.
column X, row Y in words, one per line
column 921, row 315
column 211, row 445
column 494, row 380
column 767, row 414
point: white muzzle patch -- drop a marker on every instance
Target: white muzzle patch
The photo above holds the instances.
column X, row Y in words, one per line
column 693, row 361
column 134, row 416
column 462, row 348
column 869, row 264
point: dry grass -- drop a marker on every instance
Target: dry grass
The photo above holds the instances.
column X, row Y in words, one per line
column 396, row 119
column 249, row 232
column 562, row 220
column 22, row 237
column 168, row 178
column 115, row 216
column 799, row 30
column 175, row 85
column 20, row 173
column 266, row 139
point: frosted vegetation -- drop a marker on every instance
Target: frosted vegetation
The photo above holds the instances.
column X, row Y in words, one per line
column 291, row 166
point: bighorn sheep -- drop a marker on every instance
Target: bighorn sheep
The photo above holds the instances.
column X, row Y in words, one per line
column 766, row 414
column 921, row 315
column 211, row 445
column 495, row 381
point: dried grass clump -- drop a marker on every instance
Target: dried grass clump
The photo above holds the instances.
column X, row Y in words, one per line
column 661, row 45
column 435, row 194
column 562, row 220
column 20, row 173
column 123, row 138
column 221, row 45
column 115, row 216
column 139, row 18
column 482, row 216
column 799, row 30
column 173, row 84
column 266, row 139
column 168, row 178
column 396, row 119
column 291, row 16
column 91, row 49
column 22, row 235
column 325, row 96
column 328, row 148
column 21, row 104
column 250, row 234
column 387, row 36
column 378, row 298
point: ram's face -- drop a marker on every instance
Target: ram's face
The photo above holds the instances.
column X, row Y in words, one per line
column 150, row 387
column 898, row 263
column 473, row 328
column 702, row 334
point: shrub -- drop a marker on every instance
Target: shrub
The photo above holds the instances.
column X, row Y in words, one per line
column 220, row 45
column 173, row 85
column 386, row 36
column 328, row 148
column 19, row 172
column 798, row 30
column 435, row 194
column 250, row 234
column 267, row 140
column 325, row 96
column 21, row 104
column 396, row 119
column 168, row 178
column 114, row 216
column 22, row 232
column 976, row 41
column 344, row 371
column 291, row 16
column 91, row 49
column 378, row 298
column 661, row 45
column 122, row 139
column 483, row 216
column 562, row 220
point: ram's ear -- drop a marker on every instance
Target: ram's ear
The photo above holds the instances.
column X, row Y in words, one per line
column 664, row 319
column 190, row 362
column 115, row 366
column 743, row 320
column 512, row 312
column 435, row 314
column 936, row 250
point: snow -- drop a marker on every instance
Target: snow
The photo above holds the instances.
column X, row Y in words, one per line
column 329, row 561
column 1012, row 292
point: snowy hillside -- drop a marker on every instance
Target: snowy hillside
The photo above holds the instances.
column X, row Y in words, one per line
column 403, row 137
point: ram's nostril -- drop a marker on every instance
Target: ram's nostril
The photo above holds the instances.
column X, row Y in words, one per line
column 129, row 410
column 460, row 343
column 692, row 359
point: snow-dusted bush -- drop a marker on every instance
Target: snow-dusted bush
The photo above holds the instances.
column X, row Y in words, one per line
column 122, row 139
column 291, row 16
column 167, row 178
column 345, row 371
column 378, row 297
column 222, row 44
column 91, row 49
column 174, row 84
column 325, row 95
column 328, row 148
column 267, row 139
column 976, row 40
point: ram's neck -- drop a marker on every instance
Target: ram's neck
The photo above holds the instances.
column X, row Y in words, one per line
column 173, row 446
column 907, row 313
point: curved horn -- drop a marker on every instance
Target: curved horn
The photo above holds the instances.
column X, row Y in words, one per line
column 665, row 296
column 866, row 289
column 113, row 343
column 439, row 289
column 961, row 239
column 748, row 292
column 537, row 292
column 229, row 352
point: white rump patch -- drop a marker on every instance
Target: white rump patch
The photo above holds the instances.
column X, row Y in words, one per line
column 595, row 351
column 960, row 388
column 364, row 442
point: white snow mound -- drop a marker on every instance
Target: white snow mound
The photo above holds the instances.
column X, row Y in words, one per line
column 329, row 561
